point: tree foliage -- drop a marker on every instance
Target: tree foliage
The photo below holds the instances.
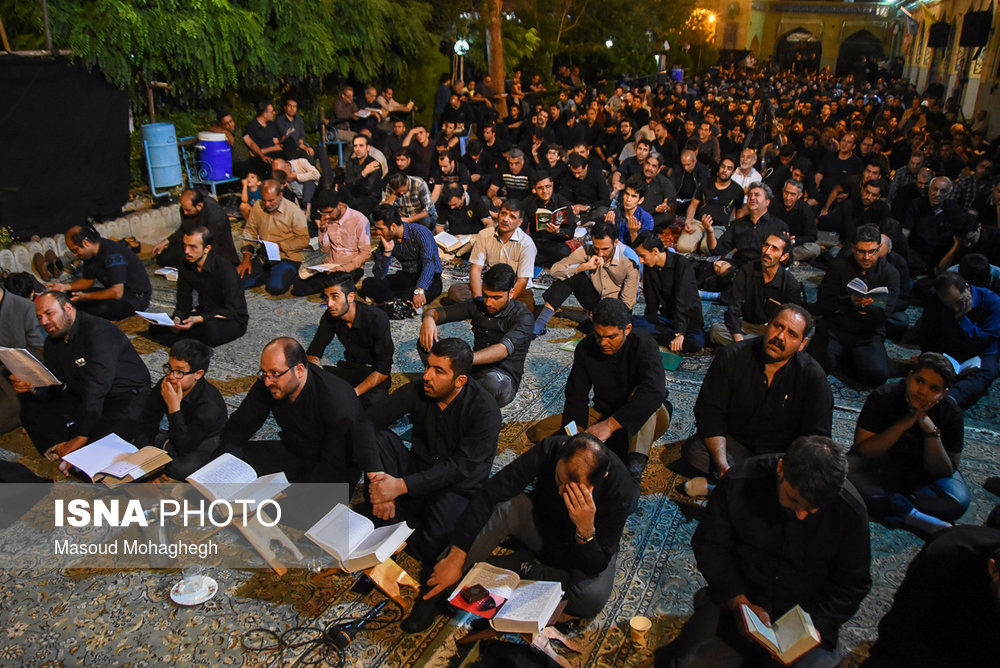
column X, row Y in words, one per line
column 207, row 47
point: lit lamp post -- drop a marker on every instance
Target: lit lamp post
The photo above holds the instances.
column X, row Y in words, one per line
column 458, row 65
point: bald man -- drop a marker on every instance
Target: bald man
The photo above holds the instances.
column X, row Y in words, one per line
column 273, row 218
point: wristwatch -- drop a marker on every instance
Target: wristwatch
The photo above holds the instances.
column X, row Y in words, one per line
column 585, row 539
column 418, row 291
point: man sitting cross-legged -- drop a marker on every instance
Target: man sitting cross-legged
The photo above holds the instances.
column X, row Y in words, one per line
column 501, row 327
column 275, row 219
column 673, row 310
column 779, row 531
column 757, row 397
column 593, row 272
column 625, row 371
column 565, row 501
column 364, row 332
column 195, row 410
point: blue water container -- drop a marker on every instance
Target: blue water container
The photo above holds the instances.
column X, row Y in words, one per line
column 678, row 74
column 162, row 156
column 216, row 159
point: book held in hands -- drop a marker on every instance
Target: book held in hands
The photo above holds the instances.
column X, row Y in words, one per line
column 788, row 638
column 544, row 217
column 861, row 289
column 353, row 541
column 26, row 366
column 511, row 604
column 964, row 367
column 451, row 242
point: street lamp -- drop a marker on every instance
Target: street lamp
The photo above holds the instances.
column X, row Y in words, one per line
column 458, row 64
column 610, row 43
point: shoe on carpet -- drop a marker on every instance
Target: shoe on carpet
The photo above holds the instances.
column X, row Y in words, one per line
column 422, row 615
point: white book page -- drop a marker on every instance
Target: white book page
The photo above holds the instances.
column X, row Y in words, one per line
column 92, row 458
column 791, row 628
column 221, row 475
column 499, row 581
column 157, row 318
column 532, row 601
column 263, row 488
column 26, row 366
column 755, row 624
column 271, row 248
column 329, row 531
column 382, row 540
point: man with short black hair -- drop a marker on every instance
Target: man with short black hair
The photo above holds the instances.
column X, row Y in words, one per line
column 363, row 176
column 411, row 196
column 779, row 531
column 501, row 329
column 316, row 413
column 104, row 381
column 800, row 219
column 363, row 330
column 126, row 288
column 197, row 210
column 550, row 239
column 673, row 310
column 195, row 410
column 342, row 233
column 713, row 204
column 566, row 501
column 412, row 245
column 629, row 216
column 624, row 369
column 587, row 190
column 757, row 397
column 456, row 424
column 853, row 324
column 221, row 313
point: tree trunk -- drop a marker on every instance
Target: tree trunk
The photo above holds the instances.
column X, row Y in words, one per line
column 494, row 52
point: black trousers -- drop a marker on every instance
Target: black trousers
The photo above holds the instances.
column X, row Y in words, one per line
column 550, row 251
column 48, row 421
column 109, row 309
column 212, row 332
column 863, row 356
column 579, row 285
column 398, row 286
column 354, row 373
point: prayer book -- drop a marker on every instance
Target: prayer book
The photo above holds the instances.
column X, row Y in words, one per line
column 963, row 367
column 169, row 273
column 511, row 604
column 353, row 540
column 271, row 248
column 450, row 242
column 229, row 478
column 860, row 288
column 543, row 217
column 114, row 461
column 157, row 318
column 26, row 366
column 788, row 638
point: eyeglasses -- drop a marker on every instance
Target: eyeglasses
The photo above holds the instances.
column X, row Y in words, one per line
column 271, row 375
column 176, row 373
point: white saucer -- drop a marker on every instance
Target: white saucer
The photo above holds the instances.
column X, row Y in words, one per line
column 209, row 589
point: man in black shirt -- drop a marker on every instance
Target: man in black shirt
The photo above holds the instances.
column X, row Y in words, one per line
column 673, row 311
column 779, row 531
column 221, row 314
column 463, row 215
column 661, row 195
column 687, row 177
column 853, row 324
column 713, row 203
column 625, row 371
column 550, row 241
column 835, row 168
column 586, row 190
column 801, row 221
column 570, row 522
column 126, row 287
column 758, row 291
column 928, row 226
column 363, row 177
column 261, row 136
column 501, row 329
column 104, row 381
column 364, row 332
column 758, row 396
column 197, row 210
column 196, row 412
column 456, row 424
column 316, row 413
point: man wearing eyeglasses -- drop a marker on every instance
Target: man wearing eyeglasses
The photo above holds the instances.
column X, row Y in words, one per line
column 195, row 410
column 852, row 330
column 550, row 236
column 315, row 412
column 343, row 235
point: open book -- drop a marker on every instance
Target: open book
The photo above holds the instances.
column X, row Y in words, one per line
column 511, row 604
column 543, row 217
column 26, row 366
column 227, row 478
column 156, row 318
column 788, row 638
column 271, row 248
column 354, row 541
column 860, row 288
column 962, row 367
column 450, row 242
column 169, row 273
column 114, row 461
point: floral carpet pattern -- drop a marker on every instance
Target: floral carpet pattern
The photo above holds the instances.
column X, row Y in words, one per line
column 125, row 618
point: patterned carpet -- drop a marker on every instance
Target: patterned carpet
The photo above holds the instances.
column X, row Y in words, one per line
column 106, row 618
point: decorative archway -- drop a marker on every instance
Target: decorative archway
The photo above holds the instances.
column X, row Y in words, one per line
column 856, row 52
column 798, row 50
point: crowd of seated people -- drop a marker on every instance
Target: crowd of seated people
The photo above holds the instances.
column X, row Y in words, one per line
column 708, row 191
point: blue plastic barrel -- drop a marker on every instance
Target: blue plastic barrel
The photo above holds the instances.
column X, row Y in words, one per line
column 216, row 160
column 678, row 74
column 162, row 156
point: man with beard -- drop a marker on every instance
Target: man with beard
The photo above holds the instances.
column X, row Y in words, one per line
column 800, row 219
column 550, row 240
column 364, row 332
column 758, row 396
column 315, row 412
column 197, row 210
column 501, row 330
column 712, row 204
column 853, row 324
column 661, row 195
column 866, row 208
column 928, row 225
column 221, row 313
